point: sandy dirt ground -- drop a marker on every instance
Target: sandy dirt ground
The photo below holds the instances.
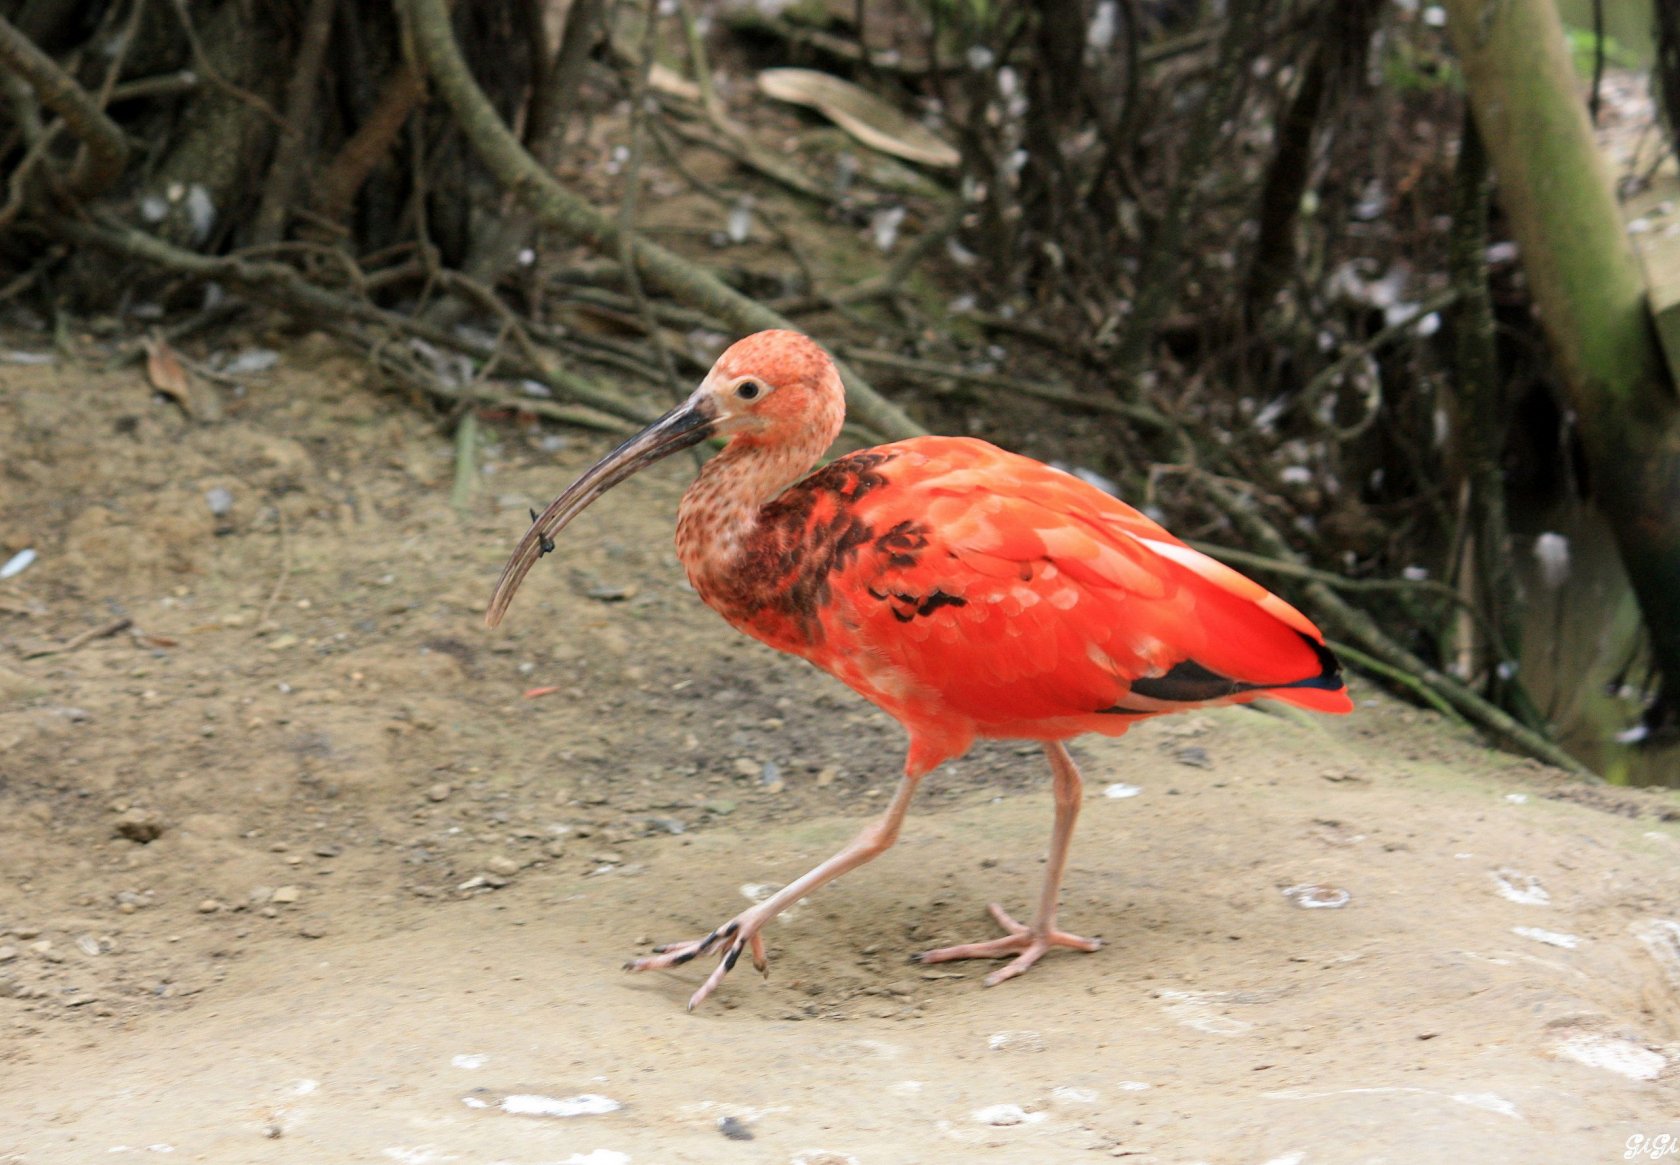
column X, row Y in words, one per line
column 293, row 870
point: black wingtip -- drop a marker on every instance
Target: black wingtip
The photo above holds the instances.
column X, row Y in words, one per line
column 1329, row 677
column 1188, row 682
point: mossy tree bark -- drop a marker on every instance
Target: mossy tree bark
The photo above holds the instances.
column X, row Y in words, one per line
column 1590, row 294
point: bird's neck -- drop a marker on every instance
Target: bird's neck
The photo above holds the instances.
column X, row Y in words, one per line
column 720, row 512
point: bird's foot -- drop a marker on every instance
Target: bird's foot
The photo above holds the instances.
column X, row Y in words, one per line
column 728, row 940
column 1027, row 945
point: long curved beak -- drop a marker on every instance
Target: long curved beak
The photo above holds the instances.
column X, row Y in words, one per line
column 684, row 426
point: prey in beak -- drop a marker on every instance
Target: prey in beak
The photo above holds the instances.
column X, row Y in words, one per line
column 683, row 427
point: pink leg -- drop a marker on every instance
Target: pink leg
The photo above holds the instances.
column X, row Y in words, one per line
column 741, row 932
column 1029, row 943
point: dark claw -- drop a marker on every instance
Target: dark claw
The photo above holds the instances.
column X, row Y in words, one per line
column 545, row 544
column 734, row 954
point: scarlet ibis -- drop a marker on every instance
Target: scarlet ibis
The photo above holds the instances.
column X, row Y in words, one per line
column 967, row 591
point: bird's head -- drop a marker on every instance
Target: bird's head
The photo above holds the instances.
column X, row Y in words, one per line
column 776, row 392
column 773, row 388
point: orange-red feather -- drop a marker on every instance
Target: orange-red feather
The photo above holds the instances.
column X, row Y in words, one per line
column 974, row 592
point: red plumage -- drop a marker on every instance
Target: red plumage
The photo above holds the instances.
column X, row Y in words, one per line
column 967, row 591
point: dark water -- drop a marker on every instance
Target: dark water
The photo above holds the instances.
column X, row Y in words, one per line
column 1578, row 640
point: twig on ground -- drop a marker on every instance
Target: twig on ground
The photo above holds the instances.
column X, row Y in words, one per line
column 466, row 462
column 283, row 286
column 82, row 639
column 394, row 361
column 280, row 580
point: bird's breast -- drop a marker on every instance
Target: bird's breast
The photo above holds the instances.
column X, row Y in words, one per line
column 776, row 570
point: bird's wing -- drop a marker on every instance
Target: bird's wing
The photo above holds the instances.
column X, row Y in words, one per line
column 1017, row 590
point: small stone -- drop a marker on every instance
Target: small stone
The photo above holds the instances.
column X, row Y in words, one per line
column 606, row 592
column 327, row 850
column 209, row 906
column 285, row 894
column 8, row 953
column 747, row 767
column 139, row 825
column 312, row 928
column 721, row 806
column 732, row 1128
column 554, row 848
column 1315, row 897
column 1006, row 1115
column 27, row 932
column 1024, row 1040
column 502, row 865
column 439, row 792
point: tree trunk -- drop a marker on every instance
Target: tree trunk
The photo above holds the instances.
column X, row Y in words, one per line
column 1590, row 294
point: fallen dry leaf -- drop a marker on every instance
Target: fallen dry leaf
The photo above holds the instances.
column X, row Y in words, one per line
column 860, row 113
column 163, row 369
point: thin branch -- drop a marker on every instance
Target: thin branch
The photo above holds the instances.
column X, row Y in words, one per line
column 107, row 148
column 356, row 159
column 285, row 287
column 82, row 639
column 556, row 95
column 207, row 68
column 1291, row 569
column 162, row 85
column 627, row 201
column 1353, row 354
column 290, row 154
column 1057, row 394
column 427, row 23
column 1361, row 628
column 1397, row 675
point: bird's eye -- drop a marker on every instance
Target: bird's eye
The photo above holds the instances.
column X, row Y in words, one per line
column 748, row 389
